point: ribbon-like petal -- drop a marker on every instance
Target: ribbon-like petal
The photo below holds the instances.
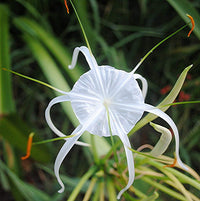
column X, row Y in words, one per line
column 144, row 84
column 56, row 100
column 164, row 116
column 88, row 55
column 63, row 152
column 115, row 122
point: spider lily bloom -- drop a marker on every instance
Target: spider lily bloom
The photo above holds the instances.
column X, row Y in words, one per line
column 100, row 92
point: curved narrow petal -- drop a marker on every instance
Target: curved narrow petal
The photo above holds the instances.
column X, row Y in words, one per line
column 70, row 143
column 88, row 55
column 164, row 116
column 144, row 84
column 129, row 155
column 160, row 113
column 56, row 100
column 130, row 162
column 63, row 152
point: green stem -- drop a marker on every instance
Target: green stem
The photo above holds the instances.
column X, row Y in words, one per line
column 181, row 176
column 96, row 193
column 162, row 41
column 164, row 189
column 111, row 190
column 94, row 150
column 111, row 135
column 83, row 31
column 84, row 178
column 180, row 103
column 90, row 189
column 102, row 193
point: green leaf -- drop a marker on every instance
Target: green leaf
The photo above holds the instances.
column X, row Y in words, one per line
column 37, row 32
column 184, row 7
column 6, row 99
column 28, row 191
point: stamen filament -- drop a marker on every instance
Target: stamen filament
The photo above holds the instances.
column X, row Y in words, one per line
column 193, row 24
column 65, row 1
column 150, row 51
column 35, row 80
column 52, row 140
column 83, row 30
column 173, row 164
column 29, row 145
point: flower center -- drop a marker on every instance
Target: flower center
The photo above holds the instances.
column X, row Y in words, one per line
column 106, row 102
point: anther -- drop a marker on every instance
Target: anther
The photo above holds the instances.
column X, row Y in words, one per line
column 171, row 165
column 193, row 24
column 65, row 1
column 29, row 145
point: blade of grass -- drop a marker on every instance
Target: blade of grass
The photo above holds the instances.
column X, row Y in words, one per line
column 34, row 30
column 28, row 191
column 6, row 99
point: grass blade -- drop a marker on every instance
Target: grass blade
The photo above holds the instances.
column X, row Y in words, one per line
column 6, row 100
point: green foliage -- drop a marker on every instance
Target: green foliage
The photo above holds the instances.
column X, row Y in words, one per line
column 6, row 101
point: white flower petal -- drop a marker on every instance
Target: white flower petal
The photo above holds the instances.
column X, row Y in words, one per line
column 56, row 100
column 144, row 84
column 88, row 55
column 119, row 129
column 158, row 112
column 164, row 116
column 70, row 143
column 130, row 162
column 63, row 152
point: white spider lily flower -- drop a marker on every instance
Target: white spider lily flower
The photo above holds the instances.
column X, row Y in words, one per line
column 102, row 89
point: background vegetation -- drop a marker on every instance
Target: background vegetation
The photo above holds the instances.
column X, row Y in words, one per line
column 37, row 38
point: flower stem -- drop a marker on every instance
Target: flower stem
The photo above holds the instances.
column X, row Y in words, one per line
column 164, row 189
column 94, row 150
column 84, row 178
column 184, row 178
column 90, row 189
